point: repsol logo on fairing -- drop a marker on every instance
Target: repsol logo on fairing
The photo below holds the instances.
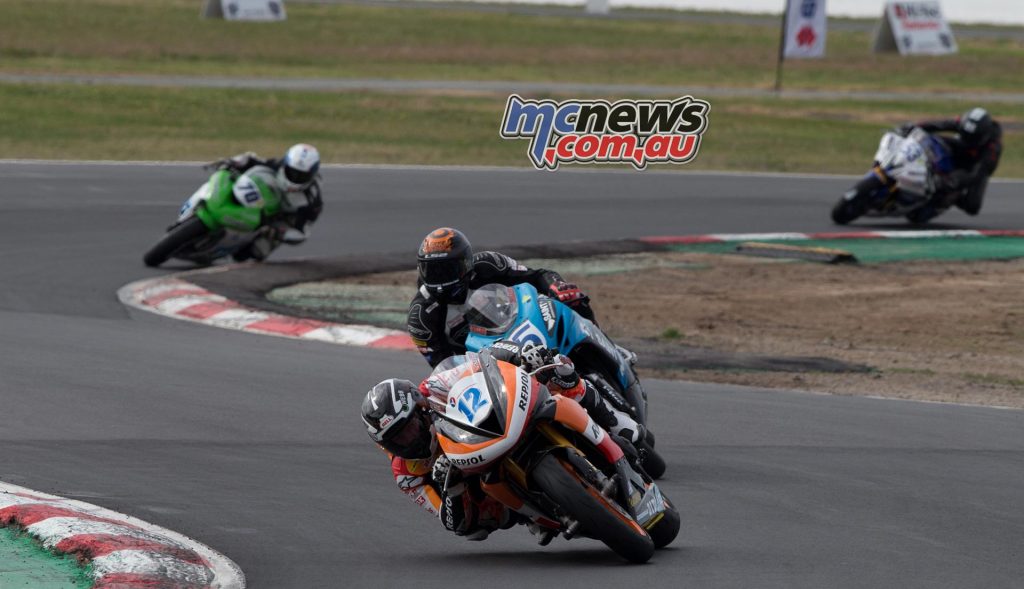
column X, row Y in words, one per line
column 524, row 391
column 478, row 459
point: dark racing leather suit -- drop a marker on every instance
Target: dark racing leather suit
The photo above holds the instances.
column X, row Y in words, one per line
column 439, row 330
column 973, row 165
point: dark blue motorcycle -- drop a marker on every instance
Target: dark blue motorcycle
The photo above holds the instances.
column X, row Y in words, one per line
column 901, row 181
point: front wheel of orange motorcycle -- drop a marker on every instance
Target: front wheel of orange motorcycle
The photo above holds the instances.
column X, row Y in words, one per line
column 598, row 516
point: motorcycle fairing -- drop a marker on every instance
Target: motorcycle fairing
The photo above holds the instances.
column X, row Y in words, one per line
column 550, row 323
column 478, row 452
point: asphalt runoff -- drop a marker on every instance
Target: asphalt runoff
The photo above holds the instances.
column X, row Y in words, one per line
column 253, row 446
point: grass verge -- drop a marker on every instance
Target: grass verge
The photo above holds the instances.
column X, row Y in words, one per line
column 25, row 563
column 98, row 122
column 167, row 37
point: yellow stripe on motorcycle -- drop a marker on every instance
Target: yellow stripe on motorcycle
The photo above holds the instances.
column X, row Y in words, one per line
column 654, row 520
column 515, row 471
column 555, row 436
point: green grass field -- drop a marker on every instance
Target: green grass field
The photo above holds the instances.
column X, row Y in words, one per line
column 167, row 36
column 44, row 121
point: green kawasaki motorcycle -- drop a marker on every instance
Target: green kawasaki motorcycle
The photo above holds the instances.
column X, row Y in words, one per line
column 224, row 217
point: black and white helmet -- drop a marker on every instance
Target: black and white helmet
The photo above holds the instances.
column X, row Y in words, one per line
column 396, row 417
column 299, row 167
column 975, row 127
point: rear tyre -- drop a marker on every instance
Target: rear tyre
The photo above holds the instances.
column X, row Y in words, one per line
column 653, row 463
column 667, row 528
column 598, row 516
column 179, row 236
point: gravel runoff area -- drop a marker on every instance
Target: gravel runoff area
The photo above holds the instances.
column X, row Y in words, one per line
column 939, row 330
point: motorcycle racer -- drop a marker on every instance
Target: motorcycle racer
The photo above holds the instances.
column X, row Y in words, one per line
column 296, row 179
column 975, row 142
column 398, row 418
column 448, row 270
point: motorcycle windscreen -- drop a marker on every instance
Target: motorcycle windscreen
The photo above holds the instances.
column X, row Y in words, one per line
column 491, row 309
column 477, row 402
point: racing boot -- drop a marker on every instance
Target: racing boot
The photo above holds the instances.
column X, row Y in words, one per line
column 293, row 236
column 971, row 198
column 611, row 419
column 544, row 535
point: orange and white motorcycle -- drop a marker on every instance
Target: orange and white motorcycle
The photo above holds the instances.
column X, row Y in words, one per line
column 542, row 456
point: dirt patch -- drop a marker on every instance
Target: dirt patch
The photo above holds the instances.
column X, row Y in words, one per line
column 943, row 331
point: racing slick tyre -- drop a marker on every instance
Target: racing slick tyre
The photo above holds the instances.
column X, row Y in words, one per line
column 665, row 530
column 598, row 516
column 180, row 235
column 843, row 213
column 654, row 465
column 854, row 203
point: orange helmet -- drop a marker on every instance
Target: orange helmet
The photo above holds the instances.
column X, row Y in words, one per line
column 445, row 263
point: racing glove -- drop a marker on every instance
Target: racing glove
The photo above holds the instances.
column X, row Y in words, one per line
column 471, row 517
column 530, row 355
column 567, row 292
column 904, row 129
column 439, row 473
column 235, row 163
column 563, row 378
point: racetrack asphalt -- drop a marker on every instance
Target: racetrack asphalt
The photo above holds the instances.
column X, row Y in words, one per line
column 253, row 445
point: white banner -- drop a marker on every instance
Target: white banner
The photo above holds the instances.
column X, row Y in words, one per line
column 806, row 28
column 245, row 9
column 916, row 27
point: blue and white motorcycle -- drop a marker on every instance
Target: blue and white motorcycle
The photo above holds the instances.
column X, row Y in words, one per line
column 901, row 181
column 520, row 314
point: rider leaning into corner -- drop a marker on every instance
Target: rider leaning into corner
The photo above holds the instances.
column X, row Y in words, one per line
column 975, row 142
column 398, row 417
column 296, row 178
column 448, row 270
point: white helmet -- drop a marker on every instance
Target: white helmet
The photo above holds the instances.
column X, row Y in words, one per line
column 299, row 167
